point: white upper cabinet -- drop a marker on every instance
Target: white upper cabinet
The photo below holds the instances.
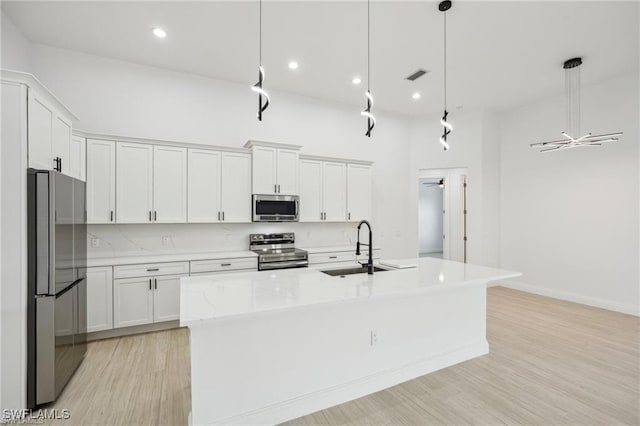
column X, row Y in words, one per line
column 169, row 184
column 61, row 143
column 40, row 131
column 264, row 170
column 134, row 183
column 77, row 156
column 236, row 187
column 334, row 191
column 204, row 185
column 311, row 191
column 275, row 168
column 101, row 181
column 287, row 171
column 358, row 192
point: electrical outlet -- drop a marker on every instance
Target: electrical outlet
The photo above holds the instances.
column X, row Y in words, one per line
column 95, row 242
column 165, row 240
column 374, row 337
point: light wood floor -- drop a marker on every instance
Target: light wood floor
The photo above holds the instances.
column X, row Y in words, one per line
column 550, row 362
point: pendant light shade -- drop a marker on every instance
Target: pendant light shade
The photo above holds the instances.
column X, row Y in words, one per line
column 371, row 119
column 263, row 96
column 443, row 7
column 573, row 116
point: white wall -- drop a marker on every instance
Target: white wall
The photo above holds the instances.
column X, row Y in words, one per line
column 14, row 47
column 121, row 98
column 570, row 220
column 430, row 216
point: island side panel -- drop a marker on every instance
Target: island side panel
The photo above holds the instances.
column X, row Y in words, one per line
column 274, row 366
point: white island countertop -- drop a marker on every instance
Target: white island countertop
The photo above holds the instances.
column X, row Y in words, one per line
column 207, row 298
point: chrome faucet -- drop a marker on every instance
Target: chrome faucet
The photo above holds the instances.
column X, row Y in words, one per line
column 368, row 265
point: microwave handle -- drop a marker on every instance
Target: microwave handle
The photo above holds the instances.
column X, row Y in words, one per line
column 296, row 204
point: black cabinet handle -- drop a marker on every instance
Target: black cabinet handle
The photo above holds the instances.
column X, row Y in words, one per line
column 218, row 215
column 153, row 270
column 150, row 284
column 155, row 283
column 349, row 216
column 225, row 264
column 149, row 215
column 155, row 215
column 333, row 257
column 111, row 216
column 223, row 215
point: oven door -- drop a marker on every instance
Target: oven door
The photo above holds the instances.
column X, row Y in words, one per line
column 275, row 208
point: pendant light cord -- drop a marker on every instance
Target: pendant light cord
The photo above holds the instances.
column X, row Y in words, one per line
column 368, row 45
column 445, row 60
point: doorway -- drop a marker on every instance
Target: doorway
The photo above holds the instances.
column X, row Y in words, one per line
column 442, row 214
column 431, row 217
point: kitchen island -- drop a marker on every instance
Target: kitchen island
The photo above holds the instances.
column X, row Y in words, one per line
column 271, row 346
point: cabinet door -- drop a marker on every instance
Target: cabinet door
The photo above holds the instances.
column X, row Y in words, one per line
column 61, row 143
column 334, row 191
column 169, row 184
column 166, row 298
column 40, row 131
column 99, row 298
column 310, row 191
column 264, row 170
column 101, row 181
column 77, row 158
column 134, row 182
column 287, row 172
column 358, row 192
column 132, row 302
column 236, row 187
column 203, row 186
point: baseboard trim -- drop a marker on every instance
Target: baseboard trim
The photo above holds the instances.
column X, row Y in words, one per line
column 623, row 308
column 345, row 392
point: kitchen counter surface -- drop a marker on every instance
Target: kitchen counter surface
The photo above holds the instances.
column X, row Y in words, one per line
column 159, row 258
column 203, row 299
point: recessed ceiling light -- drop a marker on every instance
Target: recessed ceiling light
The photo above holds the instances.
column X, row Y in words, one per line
column 356, row 80
column 159, row 32
column 293, row 65
column 416, row 95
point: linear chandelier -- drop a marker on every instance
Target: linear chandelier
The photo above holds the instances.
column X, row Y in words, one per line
column 443, row 7
column 572, row 94
column 258, row 86
column 371, row 119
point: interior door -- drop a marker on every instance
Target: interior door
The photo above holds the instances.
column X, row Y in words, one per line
column 134, row 182
column 334, row 191
column 287, row 172
column 204, row 184
column 264, row 170
column 169, row 184
column 358, row 192
column 310, row 191
column 101, row 181
column 166, row 298
column 236, row 187
column 132, row 301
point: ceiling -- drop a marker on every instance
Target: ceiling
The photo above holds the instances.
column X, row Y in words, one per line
column 500, row 54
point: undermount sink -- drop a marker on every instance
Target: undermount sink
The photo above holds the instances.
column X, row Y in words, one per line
column 351, row 271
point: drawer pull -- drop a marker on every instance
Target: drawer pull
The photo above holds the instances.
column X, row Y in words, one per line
column 225, row 264
column 153, row 270
column 333, row 257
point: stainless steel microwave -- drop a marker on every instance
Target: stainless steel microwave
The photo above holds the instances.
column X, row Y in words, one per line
column 275, row 208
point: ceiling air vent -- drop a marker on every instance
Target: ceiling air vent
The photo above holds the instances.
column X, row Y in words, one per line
column 416, row 75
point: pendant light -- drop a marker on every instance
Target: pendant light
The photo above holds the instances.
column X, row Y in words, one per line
column 572, row 95
column 258, row 86
column 371, row 120
column 443, row 7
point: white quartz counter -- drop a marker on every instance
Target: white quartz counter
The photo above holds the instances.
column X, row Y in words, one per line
column 158, row 258
column 207, row 298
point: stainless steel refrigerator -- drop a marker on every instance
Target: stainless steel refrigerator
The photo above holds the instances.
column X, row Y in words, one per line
column 57, row 289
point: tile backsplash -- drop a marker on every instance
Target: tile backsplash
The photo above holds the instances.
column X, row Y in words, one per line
column 148, row 239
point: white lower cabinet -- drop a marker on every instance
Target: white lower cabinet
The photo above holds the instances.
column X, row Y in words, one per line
column 147, row 298
column 99, row 298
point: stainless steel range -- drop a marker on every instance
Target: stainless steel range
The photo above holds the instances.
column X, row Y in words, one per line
column 277, row 251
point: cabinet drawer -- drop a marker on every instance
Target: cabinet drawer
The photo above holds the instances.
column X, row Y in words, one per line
column 345, row 256
column 221, row 265
column 150, row 269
